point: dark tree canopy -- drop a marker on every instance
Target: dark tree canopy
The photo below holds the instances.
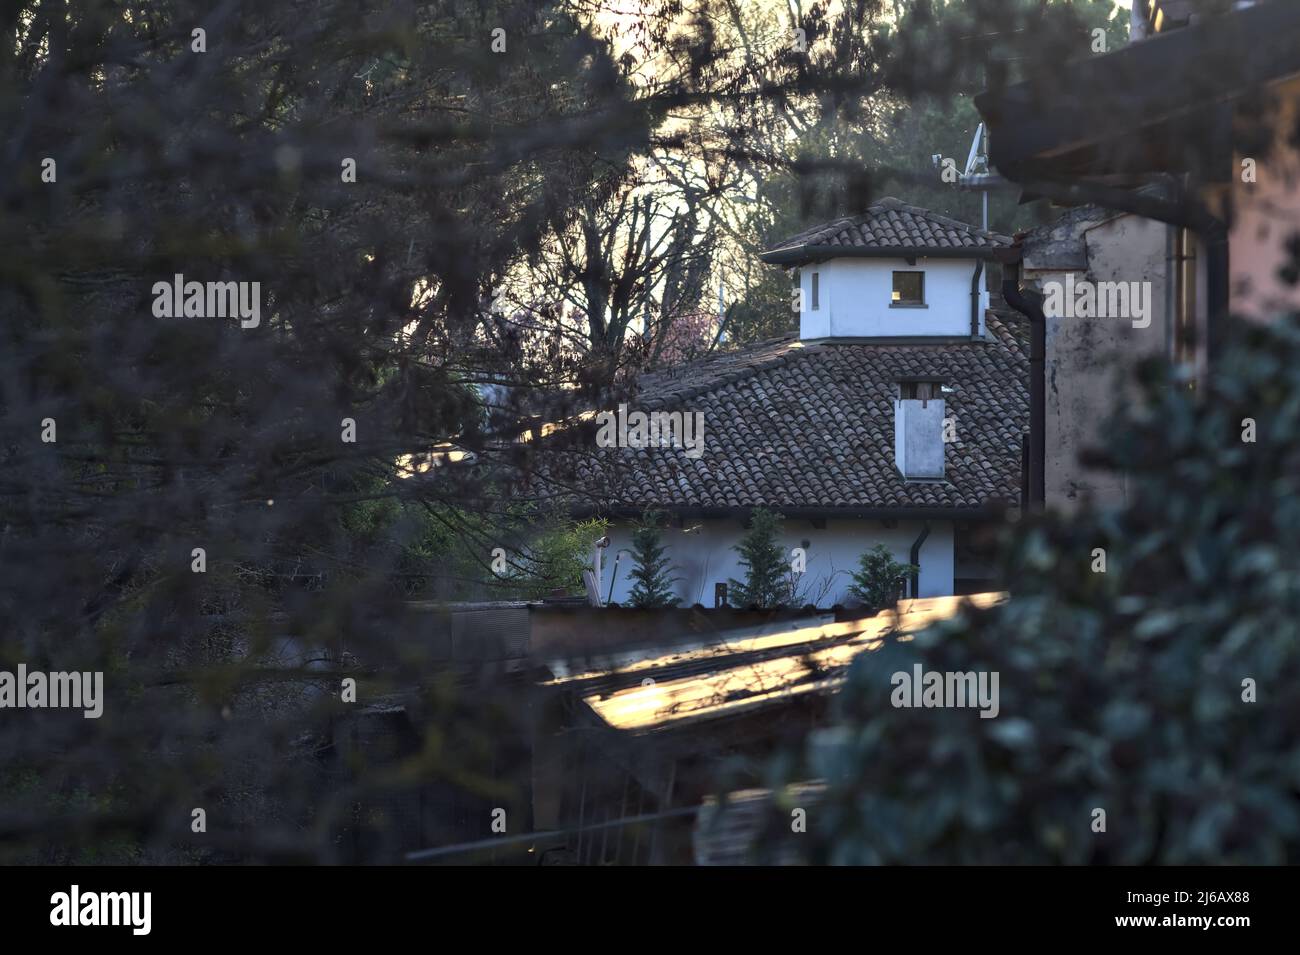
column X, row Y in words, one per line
column 452, row 224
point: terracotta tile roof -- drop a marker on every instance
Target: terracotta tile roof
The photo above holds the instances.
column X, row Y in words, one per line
column 788, row 425
column 888, row 226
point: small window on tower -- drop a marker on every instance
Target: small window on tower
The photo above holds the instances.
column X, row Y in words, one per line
column 816, row 292
column 909, row 289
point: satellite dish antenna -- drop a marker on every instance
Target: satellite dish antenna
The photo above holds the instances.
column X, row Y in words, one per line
column 976, row 157
column 977, row 160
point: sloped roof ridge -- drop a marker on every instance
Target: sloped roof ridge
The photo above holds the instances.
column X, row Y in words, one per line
column 657, row 387
column 886, row 204
column 889, row 202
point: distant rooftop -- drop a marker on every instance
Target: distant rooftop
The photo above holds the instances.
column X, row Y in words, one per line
column 889, row 227
column 796, row 426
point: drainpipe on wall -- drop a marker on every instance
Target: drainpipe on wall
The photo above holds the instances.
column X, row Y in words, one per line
column 1171, row 275
column 1216, row 290
column 975, row 297
column 915, row 559
column 1024, row 472
column 1032, row 310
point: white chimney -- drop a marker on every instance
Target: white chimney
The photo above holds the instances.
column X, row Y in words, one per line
column 918, row 437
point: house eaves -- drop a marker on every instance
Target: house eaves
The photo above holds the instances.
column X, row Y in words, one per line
column 1160, row 105
column 994, row 512
column 807, row 254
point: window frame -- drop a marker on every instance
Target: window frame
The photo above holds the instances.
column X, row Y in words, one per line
column 893, row 289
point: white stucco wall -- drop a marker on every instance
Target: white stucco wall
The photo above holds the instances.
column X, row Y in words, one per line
column 854, row 299
column 1089, row 360
column 705, row 556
